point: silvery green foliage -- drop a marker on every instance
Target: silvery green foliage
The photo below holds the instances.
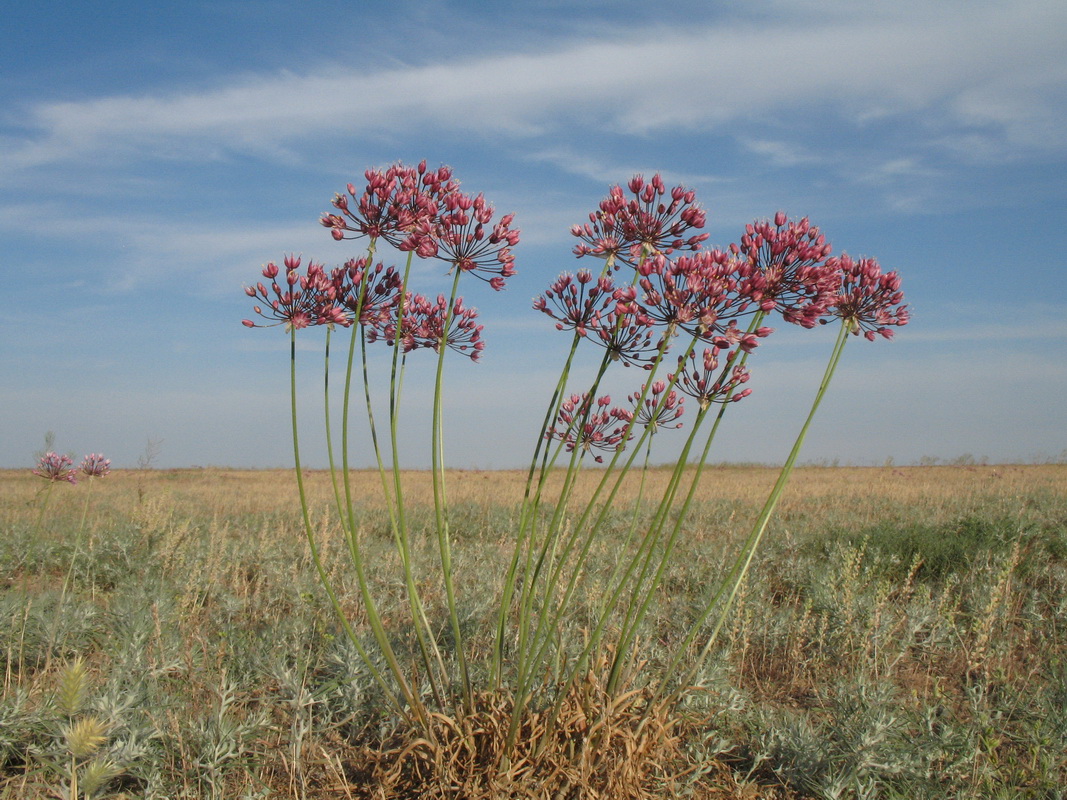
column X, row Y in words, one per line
column 856, row 748
column 720, row 704
column 222, row 741
column 21, row 721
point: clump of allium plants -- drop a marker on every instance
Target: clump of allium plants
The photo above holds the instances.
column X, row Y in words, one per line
column 689, row 318
column 56, row 468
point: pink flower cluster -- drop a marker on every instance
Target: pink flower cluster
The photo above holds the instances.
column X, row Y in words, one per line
column 95, row 465
column 658, row 410
column 423, row 211
column 399, row 204
column 468, row 243
column 703, row 381
column 417, row 210
column 785, row 269
column 581, row 424
column 868, row 298
column 301, row 300
column 55, row 467
column 629, row 230
column 779, row 266
column 427, row 324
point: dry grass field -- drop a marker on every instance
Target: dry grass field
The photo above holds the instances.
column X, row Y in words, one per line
column 901, row 635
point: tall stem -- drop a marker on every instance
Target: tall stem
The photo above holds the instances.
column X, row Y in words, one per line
column 44, row 506
column 329, row 430
column 379, row 631
column 727, row 592
column 423, row 632
column 527, row 517
column 632, row 621
column 440, row 501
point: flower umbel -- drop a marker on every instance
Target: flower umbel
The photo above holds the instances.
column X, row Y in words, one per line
column 424, row 325
column 627, row 332
column 372, row 292
column 398, row 204
column 55, row 467
column 578, row 299
column 305, row 300
column 95, row 465
column 466, row 240
column 704, row 381
column 658, row 410
column 786, row 269
column 579, row 425
column 868, row 298
column 629, row 230
column 697, row 293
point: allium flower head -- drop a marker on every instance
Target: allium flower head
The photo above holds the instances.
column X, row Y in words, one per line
column 95, row 465
column 467, row 238
column 579, row 424
column 658, row 410
column 576, row 301
column 648, row 223
column 868, row 299
column 426, row 324
column 609, row 315
column 54, row 467
column 786, row 269
column 297, row 301
column 697, row 293
column 369, row 292
column 702, row 379
column 398, row 204
column 627, row 332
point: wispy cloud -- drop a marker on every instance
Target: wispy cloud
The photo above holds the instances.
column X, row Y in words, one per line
column 994, row 71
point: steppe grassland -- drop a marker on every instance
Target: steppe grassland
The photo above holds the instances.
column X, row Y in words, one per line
column 901, row 634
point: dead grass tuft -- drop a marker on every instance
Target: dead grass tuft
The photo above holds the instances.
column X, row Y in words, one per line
column 597, row 749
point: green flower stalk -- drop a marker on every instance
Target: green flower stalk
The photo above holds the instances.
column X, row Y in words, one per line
column 54, row 468
column 867, row 302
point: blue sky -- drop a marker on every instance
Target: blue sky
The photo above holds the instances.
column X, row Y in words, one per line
column 155, row 156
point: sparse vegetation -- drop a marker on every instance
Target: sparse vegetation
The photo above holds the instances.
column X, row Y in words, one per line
column 899, row 636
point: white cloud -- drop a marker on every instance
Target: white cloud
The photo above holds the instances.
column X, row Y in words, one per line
column 996, row 69
column 782, row 154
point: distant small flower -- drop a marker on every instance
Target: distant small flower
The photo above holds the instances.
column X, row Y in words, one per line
column 95, row 465
column 630, row 230
column 588, row 429
column 54, row 467
column 706, row 383
column 399, row 204
column 658, row 411
column 868, row 299
column 786, row 269
column 467, row 238
column 304, row 300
